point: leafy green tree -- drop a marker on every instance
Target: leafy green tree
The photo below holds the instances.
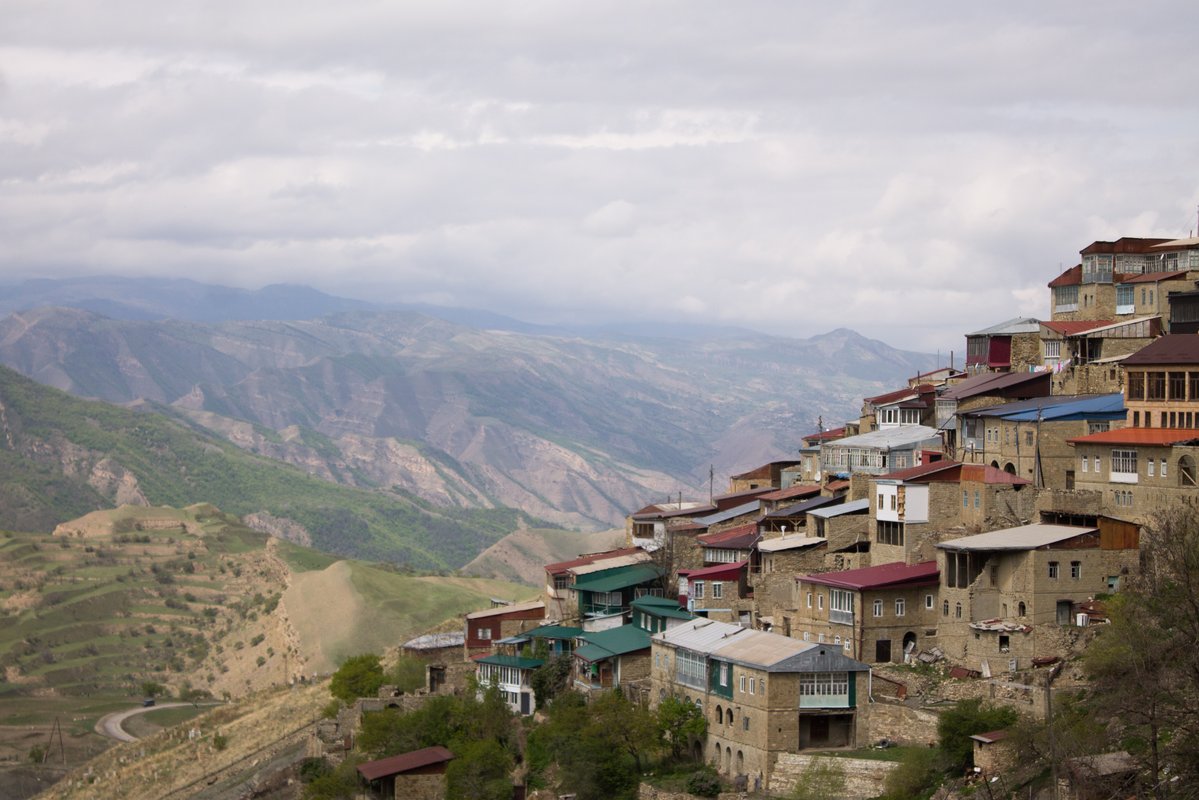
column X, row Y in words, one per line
column 598, row 748
column 550, row 679
column 917, row 774
column 153, row 689
column 339, row 784
column 965, row 719
column 358, row 676
column 408, row 674
column 480, row 771
column 680, row 723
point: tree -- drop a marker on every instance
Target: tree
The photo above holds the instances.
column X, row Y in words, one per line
column 965, row 719
column 681, row 723
column 1145, row 664
column 480, row 771
column 408, row 674
column 153, row 689
column 358, row 676
column 550, row 679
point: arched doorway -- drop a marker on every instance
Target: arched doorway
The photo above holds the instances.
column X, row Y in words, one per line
column 1009, row 468
column 1186, row 472
column 740, row 763
column 909, row 645
column 995, row 464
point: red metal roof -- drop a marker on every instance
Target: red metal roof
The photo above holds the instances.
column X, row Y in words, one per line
column 836, row 486
column 1173, row 348
column 1163, row 437
column 590, row 558
column 921, row 470
column 1071, row 277
column 1125, row 244
column 953, row 472
column 835, row 433
column 1155, row 277
column 738, row 538
column 1072, row 327
column 394, row 765
column 798, row 490
column 726, row 572
column 985, row 473
column 880, row 577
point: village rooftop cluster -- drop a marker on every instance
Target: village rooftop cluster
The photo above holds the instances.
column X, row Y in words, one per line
column 974, row 518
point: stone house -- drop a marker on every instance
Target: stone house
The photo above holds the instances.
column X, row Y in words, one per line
column 657, row 614
column 846, row 528
column 613, row 658
column 511, row 674
column 647, row 527
column 1163, row 383
column 560, row 576
column 794, row 517
column 766, row 476
column 418, row 775
column 730, row 545
column 1088, row 291
column 781, row 559
column 603, row 596
column 781, row 498
column 1090, row 355
column 1030, row 438
column 1133, row 472
column 763, row 695
column 877, row 614
column 1011, row 346
column 993, row 753
column 717, row 592
column 911, row 405
column 986, row 389
column 809, row 451
column 1009, row 596
column 484, row 628
column 880, row 451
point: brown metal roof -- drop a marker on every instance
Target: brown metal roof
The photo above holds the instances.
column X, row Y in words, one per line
column 589, row 558
column 738, row 538
column 1071, row 277
column 1154, row 277
column 1071, row 327
column 1175, row 348
column 406, row 762
column 1125, row 244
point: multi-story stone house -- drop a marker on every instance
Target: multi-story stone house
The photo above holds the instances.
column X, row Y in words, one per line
column 768, row 475
column 1029, row 437
column 1008, row 596
column 1088, row 291
column 603, row 596
column 846, row 528
column 986, row 389
column 648, row 526
column 1088, row 353
column 781, row 498
column 1163, row 383
column 879, row 613
column 879, row 451
column 1134, row 472
column 1148, row 295
column 794, row 517
column 657, row 614
column 512, row 675
column 718, row 592
column 1010, row 346
column 781, row 559
column 762, row 694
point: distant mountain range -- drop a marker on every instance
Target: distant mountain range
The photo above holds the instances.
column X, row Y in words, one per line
column 462, row 409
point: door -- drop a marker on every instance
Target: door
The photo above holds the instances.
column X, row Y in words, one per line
column 818, row 731
column 1064, row 607
column 882, row 650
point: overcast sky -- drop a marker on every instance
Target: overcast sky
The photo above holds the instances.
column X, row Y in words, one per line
column 909, row 170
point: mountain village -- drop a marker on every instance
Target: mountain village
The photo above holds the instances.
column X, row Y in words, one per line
column 975, row 519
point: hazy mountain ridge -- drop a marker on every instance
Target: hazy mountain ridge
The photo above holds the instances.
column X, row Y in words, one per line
column 571, row 429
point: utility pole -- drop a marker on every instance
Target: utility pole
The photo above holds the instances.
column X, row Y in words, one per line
column 711, row 482
column 1049, row 727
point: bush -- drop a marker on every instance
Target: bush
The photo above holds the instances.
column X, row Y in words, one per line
column 704, row 782
column 967, row 718
column 219, row 741
column 916, row 776
column 358, row 676
column 313, row 768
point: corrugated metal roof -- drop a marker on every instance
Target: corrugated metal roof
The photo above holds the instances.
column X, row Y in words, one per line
column 854, row 507
column 1155, row 277
column 761, row 649
column 1031, row 404
column 1103, row 405
column 613, row 642
column 700, row 635
column 554, row 632
column 1173, row 348
column 435, row 641
column 1071, row 327
column 512, row 609
column 726, row 572
column 510, row 661
column 805, row 506
column 788, row 543
column 1071, row 277
column 1162, row 437
column 1025, row 537
column 661, row 607
column 1010, row 327
column 732, row 513
column 639, row 557
column 798, row 490
column 889, row 438
column 1121, row 324
column 589, row 558
column 742, row 536
column 880, row 576
column 394, row 765
column 918, row 471
column 991, row 382
column 619, row 578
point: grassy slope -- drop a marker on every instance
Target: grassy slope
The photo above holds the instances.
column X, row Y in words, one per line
column 521, row 556
column 176, row 465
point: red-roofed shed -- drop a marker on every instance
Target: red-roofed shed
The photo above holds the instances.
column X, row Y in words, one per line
column 418, row 774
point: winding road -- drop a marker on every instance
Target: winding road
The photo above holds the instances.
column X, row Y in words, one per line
column 110, row 724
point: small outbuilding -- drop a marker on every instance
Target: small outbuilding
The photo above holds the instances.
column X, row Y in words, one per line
column 418, row 775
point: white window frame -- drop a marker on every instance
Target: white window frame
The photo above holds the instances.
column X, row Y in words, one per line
column 901, row 606
column 930, row 602
column 717, row 590
column 1123, row 466
column 878, row 608
column 697, row 590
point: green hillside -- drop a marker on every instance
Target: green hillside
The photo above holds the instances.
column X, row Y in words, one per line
column 58, row 455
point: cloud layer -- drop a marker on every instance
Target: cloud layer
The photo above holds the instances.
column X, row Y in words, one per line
column 913, row 171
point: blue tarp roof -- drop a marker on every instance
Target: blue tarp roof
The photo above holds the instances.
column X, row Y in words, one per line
column 1101, row 406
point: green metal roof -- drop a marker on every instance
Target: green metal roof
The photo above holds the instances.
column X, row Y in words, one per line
column 510, row 661
column 661, row 607
column 613, row 642
column 617, row 578
column 554, row 632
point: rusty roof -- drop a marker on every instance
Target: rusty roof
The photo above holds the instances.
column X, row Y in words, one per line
column 726, row 572
column 798, row 490
column 1154, row 277
column 589, row 558
column 1162, row 437
column 406, row 762
column 832, row 433
column 1174, row 348
column 880, row 577
column 991, row 382
column 738, row 538
column 1071, row 277
column 919, row 471
column 1125, row 244
column 1072, row 327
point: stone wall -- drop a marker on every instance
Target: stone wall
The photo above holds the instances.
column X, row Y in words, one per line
column 911, row 727
column 863, row 778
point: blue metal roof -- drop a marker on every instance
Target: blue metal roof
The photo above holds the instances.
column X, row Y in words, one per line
column 1102, row 406
column 731, row 513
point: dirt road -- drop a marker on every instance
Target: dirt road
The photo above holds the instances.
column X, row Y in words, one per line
column 110, row 724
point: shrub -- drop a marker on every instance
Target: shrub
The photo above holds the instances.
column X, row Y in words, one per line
column 704, row 782
column 219, row 741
